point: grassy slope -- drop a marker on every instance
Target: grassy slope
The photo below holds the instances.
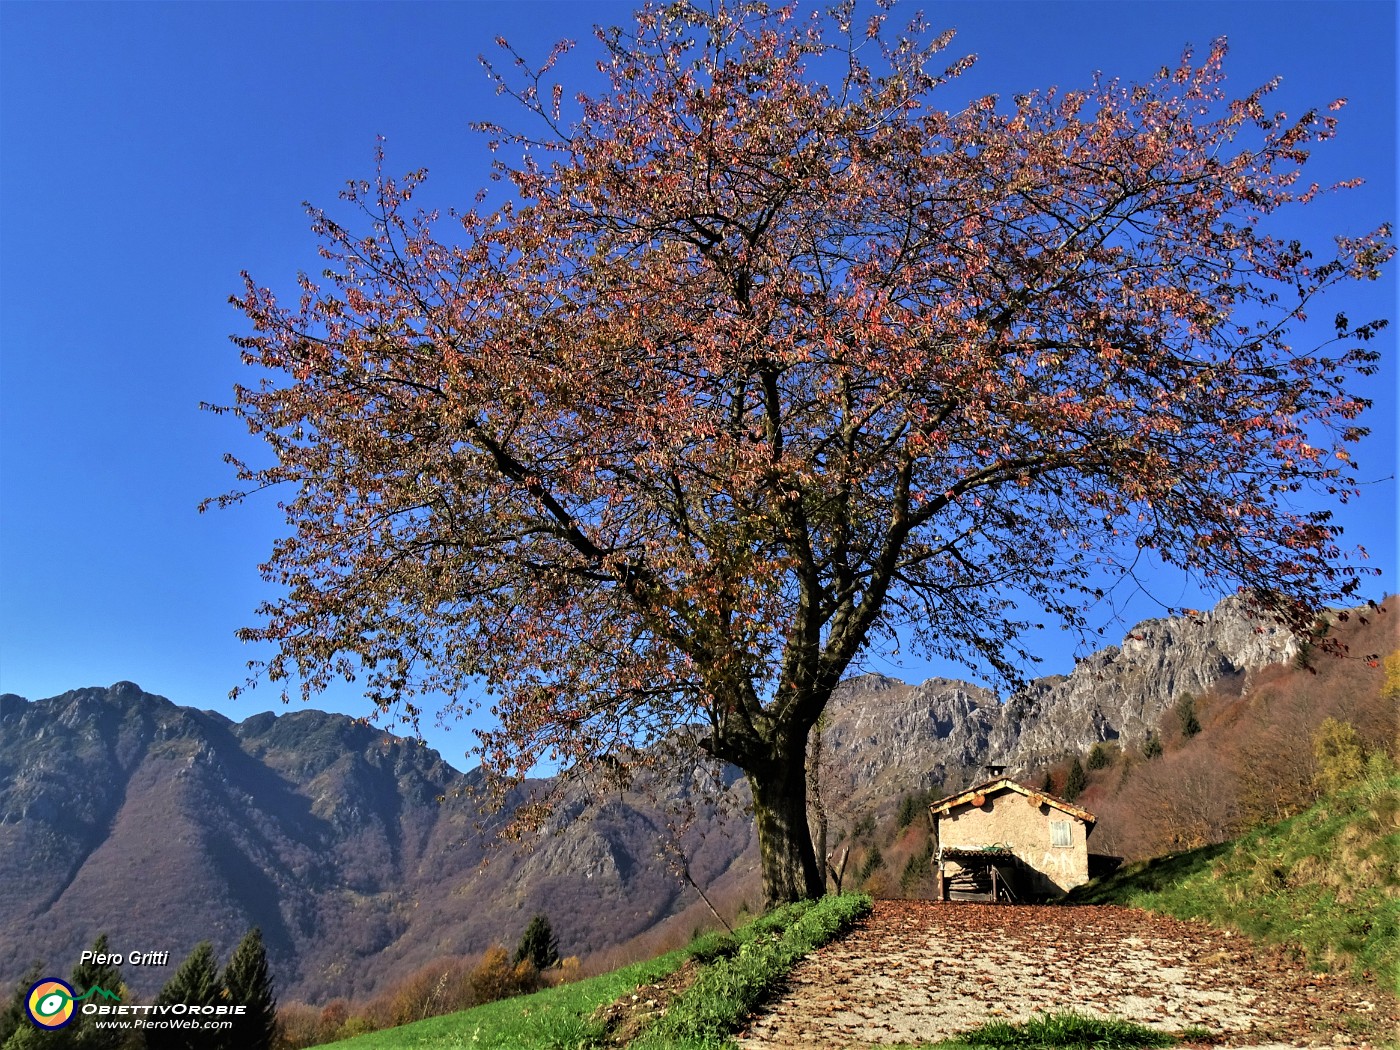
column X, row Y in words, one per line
column 555, row 1017
column 742, row 974
column 1326, row 882
column 735, row 972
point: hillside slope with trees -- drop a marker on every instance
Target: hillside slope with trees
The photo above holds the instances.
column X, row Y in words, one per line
column 1252, row 749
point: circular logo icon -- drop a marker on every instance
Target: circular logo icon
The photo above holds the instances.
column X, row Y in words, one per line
column 50, row 1003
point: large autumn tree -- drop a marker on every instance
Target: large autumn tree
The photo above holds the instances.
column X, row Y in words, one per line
column 771, row 359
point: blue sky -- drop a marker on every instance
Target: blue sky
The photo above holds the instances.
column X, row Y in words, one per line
column 149, row 152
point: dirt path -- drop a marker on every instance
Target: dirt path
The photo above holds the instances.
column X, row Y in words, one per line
column 919, row 971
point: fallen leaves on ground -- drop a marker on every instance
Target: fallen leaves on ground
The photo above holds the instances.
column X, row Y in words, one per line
column 918, row 970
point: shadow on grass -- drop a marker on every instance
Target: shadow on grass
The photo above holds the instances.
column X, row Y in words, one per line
column 1149, row 876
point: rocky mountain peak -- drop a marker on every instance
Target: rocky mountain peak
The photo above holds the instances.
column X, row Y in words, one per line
column 885, row 739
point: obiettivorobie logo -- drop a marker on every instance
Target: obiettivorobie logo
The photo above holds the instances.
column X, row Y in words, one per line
column 52, row 1003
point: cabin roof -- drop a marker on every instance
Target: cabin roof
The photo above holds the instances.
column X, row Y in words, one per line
column 1000, row 784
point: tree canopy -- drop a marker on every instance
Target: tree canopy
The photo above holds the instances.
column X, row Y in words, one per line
column 247, row 982
column 538, row 945
column 195, row 983
column 770, row 359
column 83, row 1033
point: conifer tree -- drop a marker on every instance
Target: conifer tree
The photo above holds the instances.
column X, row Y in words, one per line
column 28, row 1037
column 1076, row 782
column 538, row 944
column 908, row 807
column 248, row 982
column 12, row 1015
column 89, row 974
column 86, row 976
column 874, row 860
column 1186, row 716
column 196, row 983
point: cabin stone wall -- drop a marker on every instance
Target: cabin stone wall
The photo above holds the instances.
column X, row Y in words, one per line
column 1025, row 826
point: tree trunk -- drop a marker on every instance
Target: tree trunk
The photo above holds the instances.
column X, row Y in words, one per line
column 789, row 863
column 817, row 812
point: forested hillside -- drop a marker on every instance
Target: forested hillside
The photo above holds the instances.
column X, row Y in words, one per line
column 1253, row 749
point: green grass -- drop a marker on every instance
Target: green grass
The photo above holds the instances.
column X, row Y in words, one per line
column 1058, row 1031
column 735, row 972
column 1325, row 883
column 740, row 975
column 1063, row 1031
column 554, row 1019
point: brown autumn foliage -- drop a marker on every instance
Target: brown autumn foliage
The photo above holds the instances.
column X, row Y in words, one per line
column 444, row 986
column 496, row 977
column 1257, row 755
column 299, row 1025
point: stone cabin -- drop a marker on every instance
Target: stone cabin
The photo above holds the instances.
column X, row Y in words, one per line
column 1001, row 840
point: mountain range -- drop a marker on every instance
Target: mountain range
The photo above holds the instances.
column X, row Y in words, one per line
column 362, row 855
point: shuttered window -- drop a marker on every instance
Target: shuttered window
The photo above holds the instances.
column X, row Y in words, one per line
column 1060, row 834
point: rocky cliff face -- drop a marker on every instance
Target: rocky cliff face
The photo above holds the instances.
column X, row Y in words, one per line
column 1121, row 692
column 121, row 812
column 886, row 739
